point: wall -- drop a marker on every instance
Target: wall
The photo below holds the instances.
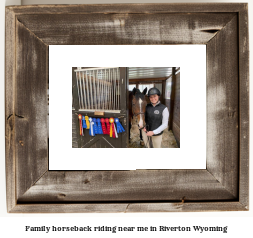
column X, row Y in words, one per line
column 74, row 131
column 176, row 112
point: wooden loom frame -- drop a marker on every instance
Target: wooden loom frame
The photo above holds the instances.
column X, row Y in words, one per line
column 223, row 186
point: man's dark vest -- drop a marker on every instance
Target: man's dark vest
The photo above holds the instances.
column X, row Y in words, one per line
column 154, row 117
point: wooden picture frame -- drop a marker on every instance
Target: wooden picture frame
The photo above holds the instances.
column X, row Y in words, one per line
column 223, row 186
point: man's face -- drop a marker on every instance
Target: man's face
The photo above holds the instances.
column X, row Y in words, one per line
column 154, row 99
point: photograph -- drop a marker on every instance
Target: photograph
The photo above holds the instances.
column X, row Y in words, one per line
column 144, row 112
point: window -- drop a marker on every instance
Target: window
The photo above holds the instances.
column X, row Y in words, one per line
column 168, row 88
column 143, row 86
column 131, row 87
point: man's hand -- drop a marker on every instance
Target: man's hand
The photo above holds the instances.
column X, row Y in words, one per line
column 150, row 133
column 144, row 129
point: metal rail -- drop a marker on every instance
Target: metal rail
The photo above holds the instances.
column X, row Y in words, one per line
column 98, row 89
column 79, row 70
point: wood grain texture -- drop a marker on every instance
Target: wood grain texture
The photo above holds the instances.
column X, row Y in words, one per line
column 176, row 111
column 129, row 207
column 70, row 208
column 143, row 80
column 10, row 65
column 172, row 98
column 123, row 105
column 223, row 186
column 30, row 108
column 163, row 91
column 139, row 185
column 167, row 103
column 118, row 29
column 74, row 132
column 186, row 207
column 244, row 106
column 129, row 8
column 222, row 107
column 76, row 142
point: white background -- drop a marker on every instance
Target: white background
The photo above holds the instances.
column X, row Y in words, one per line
column 240, row 223
column 192, row 151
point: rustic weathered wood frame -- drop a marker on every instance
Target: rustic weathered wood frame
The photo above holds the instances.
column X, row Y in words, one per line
column 222, row 186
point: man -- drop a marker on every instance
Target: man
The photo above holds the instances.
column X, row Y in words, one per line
column 156, row 117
